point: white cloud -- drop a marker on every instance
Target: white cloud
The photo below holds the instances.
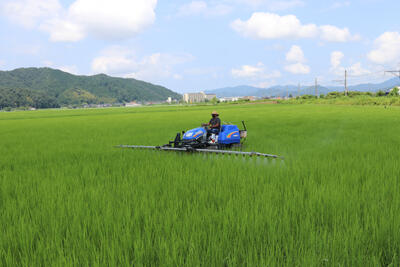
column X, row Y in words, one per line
column 258, row 71
column 247, row 71
column 258, row 74
column 28, row 13
column 331, row 33
column 387, row 49
column 336, row 59
column 202, row 8
column 298, row 68
column 2, row 63
column 120, row 61
column 272, row 26
column 354, row 70
column 117, row 19
column 295, row 54
column 357, row 70
column 336, row 63
column 104, row 19
column 157, row 66
column 63, row 30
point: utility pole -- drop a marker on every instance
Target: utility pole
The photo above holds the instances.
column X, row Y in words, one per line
column 299, row 93
column 394, row 72
column 316, row 87
column 346, row 91
column 345, row 83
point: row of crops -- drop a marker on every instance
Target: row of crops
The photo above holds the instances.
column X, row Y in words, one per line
column 68, row 197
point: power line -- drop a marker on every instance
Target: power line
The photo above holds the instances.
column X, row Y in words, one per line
column 346, row 91
column 368, row 74
column 394, row 72
column 349, row 80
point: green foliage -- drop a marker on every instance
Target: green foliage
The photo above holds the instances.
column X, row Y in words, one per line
column 77, row 97
column 334, row 95
column 57, row 85
column 355, row 93
column 380, row 93
column 308, row 97
column 354, row 98
column 69, row 198
column 14, row 98
column 394, row 92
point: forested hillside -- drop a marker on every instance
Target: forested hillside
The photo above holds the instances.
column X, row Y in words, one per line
column 46, row 88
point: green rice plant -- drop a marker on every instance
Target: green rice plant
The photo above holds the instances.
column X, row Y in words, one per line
column 68, row 197
column 353, row 100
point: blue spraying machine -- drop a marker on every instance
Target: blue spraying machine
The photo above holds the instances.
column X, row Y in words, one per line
column 199, row 140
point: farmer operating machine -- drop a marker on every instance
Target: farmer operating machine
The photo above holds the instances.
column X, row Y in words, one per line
column 199, row 140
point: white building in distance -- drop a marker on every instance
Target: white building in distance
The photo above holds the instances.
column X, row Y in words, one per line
column 230, row 99
column 198, row 97
column 210, row 97
column 132, row 104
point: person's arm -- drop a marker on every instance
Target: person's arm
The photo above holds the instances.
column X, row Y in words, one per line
column 218, row 123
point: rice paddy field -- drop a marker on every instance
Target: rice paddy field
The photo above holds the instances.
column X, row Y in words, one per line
column 68, row 197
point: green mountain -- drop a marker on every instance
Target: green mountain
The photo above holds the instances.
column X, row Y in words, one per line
column 38, row 86
column 284, row 90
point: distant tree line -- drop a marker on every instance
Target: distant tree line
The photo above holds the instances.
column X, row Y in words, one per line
column 15, row 98
column 392, row 93
column 25, row 98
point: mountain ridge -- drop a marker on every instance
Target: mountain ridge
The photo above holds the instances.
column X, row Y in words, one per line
column 66, row 88
column 285, row 90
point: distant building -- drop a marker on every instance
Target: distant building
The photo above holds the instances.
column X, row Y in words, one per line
column 250, row 98
column 229, row 99
column 132, row 104
column 198, row 97
column 194, row 97
column 169, row 100
column 210, row 97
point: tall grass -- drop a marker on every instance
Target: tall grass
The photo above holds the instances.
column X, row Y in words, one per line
column 68, row 197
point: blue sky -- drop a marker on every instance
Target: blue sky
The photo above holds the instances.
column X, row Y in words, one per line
column 200, row 45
